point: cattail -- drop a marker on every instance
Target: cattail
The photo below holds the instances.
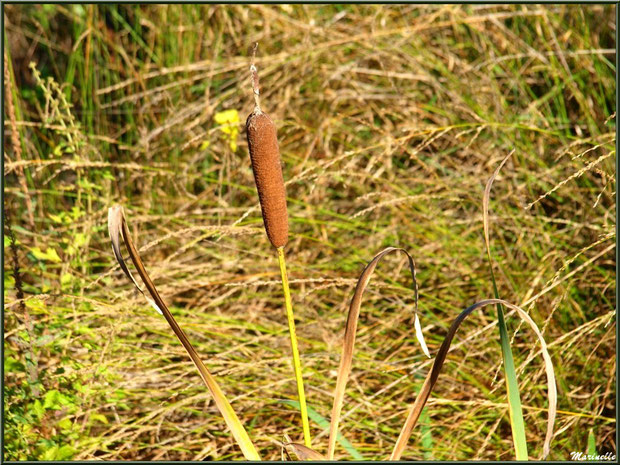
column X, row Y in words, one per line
column 267, row 167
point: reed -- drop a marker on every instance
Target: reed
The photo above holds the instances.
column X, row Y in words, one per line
column 267, row 168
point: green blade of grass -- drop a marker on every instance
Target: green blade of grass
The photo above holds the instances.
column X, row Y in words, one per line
column 512, row 386
column 591, row 443
column 514, row 399
column 324, row 424
column 517, row 424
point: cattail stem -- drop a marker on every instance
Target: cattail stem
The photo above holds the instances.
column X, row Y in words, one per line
column 295, row 350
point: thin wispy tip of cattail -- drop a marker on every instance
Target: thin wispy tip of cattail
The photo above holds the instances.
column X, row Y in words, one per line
column 254, row 77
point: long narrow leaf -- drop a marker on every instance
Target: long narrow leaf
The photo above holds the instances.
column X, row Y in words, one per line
column 512, row 386
column 349, row 338
column 433, row 374
column 117, row 227
column 115, row 220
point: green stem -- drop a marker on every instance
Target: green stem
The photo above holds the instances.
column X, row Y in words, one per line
column 296, row 360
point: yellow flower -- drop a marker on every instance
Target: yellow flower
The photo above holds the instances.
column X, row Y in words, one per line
column 229, row 124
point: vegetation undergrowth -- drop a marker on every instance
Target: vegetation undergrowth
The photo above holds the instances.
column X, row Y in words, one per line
column 390, row 120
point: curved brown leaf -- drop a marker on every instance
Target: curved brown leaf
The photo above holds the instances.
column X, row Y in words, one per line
column 117, row 227
column 433, row 374
column 116, row 217
column 349, row 338
column 485, row 202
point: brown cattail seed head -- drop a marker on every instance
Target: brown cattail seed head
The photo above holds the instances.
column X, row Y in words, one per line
column 267, row 167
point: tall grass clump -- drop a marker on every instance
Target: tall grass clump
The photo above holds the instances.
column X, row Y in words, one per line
column 389, row 121
column 267, row 168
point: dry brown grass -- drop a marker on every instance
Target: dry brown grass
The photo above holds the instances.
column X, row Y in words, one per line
column 390, row 120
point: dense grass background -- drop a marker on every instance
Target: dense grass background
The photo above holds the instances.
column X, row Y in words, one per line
column 390, row 121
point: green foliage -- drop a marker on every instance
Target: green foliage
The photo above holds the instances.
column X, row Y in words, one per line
column 42, row 428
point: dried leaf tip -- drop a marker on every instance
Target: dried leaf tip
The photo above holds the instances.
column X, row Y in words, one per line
column 302, row 452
